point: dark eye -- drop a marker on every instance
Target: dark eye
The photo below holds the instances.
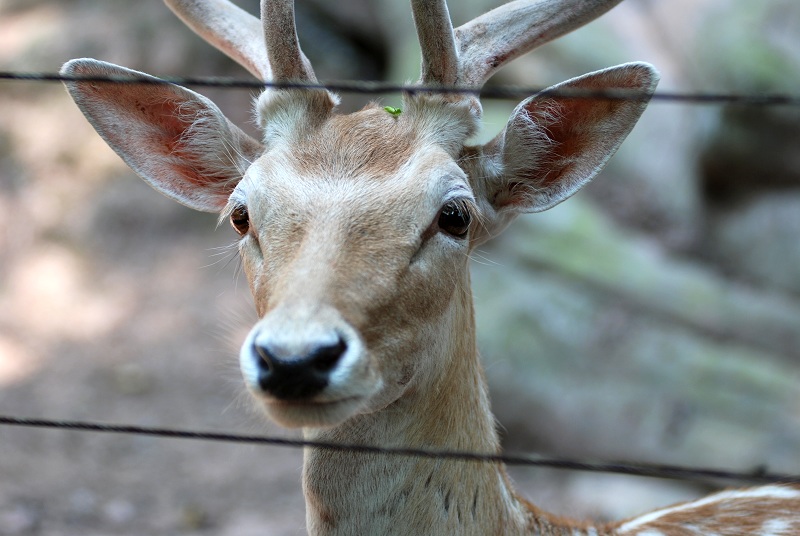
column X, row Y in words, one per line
column 454, row 219
column 240, row 220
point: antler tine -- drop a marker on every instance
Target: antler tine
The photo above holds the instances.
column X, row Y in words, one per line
column 229, row 28
column 280, row 33
column 497, row 37
column 437, row 41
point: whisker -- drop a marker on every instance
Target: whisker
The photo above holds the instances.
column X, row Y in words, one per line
column 225, row 255
column 481, row 258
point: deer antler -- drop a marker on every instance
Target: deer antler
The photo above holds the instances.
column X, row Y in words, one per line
column 468, row 55
column 472, row 53
column 440, row 62
column 230, row 29
column 269, row 49
column 285, row 57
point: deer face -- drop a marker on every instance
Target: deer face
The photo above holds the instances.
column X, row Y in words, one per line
column 353, row 245
column 355, row 230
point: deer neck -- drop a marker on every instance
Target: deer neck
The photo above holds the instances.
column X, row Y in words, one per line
column 353, row 493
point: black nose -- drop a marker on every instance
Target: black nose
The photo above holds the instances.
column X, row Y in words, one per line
column 292, row 377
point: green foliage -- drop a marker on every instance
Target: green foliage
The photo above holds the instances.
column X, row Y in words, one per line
column 392, row 110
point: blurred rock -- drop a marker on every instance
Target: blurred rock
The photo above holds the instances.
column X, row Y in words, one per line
column 19, row 517
column 83, row 506
column 194, row 517
column 758, row 240
column 592, row 334
column 751, row 184
column 119, row 512
column 752, row 151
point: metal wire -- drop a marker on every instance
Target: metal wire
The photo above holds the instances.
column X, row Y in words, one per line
column 626, row 468
column 760, row 475
column 375, row 88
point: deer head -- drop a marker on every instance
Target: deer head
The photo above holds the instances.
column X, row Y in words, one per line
column 355, row 230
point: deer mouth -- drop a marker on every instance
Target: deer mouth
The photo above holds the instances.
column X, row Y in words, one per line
column 314, row 413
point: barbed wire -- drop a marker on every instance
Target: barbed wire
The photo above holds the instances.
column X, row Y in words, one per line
column 377, row 88
column 666, row 471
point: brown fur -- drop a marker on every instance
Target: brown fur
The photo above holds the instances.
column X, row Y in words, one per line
column 370, row 143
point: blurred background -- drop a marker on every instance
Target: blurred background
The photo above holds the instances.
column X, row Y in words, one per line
column 653, row 317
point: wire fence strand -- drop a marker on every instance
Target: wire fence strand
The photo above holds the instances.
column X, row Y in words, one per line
column 378, row 88
column 760, row 475
column 666, row 471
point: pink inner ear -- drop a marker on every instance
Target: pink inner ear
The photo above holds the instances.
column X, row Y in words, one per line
column 555, row 145
column 168, row 122
column 578, row 138
column 150, row 119
column 173, row 141
column 171, row 125
column 176, row 118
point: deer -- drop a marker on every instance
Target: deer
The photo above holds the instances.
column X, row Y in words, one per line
column 355, row 232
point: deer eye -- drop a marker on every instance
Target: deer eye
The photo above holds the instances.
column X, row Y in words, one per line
column 240, row 220
column 454, row 219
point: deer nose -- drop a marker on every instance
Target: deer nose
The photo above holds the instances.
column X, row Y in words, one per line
column 291, row 375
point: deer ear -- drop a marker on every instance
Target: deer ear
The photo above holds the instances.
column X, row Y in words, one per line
column 552, row 146
column 175, row 139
